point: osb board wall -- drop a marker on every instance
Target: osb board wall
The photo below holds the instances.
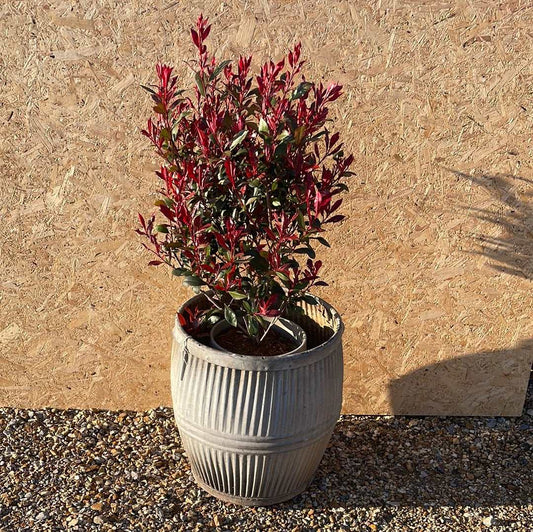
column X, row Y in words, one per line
column 432, row 271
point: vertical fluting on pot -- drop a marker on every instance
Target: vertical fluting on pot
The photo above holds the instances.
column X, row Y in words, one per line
column 255, row 428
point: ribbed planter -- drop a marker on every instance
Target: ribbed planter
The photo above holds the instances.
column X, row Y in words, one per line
column 256, row 428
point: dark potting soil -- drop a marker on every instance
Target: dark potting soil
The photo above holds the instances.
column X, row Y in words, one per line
column 236, row 341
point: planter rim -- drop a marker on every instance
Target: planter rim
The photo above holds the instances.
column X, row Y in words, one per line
column 260, row 363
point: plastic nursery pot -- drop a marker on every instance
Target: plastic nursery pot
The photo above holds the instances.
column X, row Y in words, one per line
column 282, row 327
column 255, row 428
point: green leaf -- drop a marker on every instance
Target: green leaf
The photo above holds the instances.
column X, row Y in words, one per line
column 280, row 150
column 276, row 203
column 261, row 321
column 263, row 127
column 200, row 84
column 302, row 285
column 284, row 135
column 161, row 228
column 282, row 276
column 148, row 89
column 183, row 115
column 301, row 221
column 237, row 295
column 177, row 122
column 317, row 136
column 251, row 200
column 301, row 91
column 259, row 263
column 296, row 309
column 220, row 67
column 292, row 263
column 299, row 135
column 307, row 250
column 251, row 326
column 323, row 241
column 239, row 137
column 192, row 280
column 180, row 271
column 230, row 316
column 212, row 319
column 311, row 300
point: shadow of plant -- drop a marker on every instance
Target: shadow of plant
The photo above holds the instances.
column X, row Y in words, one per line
column 511, row 253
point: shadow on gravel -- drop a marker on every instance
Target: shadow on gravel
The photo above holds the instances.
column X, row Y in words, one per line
column 427, row 461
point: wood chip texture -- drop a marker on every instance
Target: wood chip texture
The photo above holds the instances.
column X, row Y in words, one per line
column 432, row 271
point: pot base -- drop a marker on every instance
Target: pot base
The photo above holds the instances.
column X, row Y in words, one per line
column 248, row 501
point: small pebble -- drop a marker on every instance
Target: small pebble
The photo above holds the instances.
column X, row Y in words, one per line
column 487, row 521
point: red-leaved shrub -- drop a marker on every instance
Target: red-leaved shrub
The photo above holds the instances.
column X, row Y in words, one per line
column 250, row 180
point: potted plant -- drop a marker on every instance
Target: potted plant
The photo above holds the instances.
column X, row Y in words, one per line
column 250, row 180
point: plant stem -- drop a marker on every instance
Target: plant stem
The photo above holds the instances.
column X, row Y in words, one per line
column 282, row 310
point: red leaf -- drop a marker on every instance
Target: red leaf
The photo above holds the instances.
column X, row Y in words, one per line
column 181, row 319
column 195, row 38
column 221, row 241
column 335, row 206
column 335, row 219
column 165, row 211
column 230, row 171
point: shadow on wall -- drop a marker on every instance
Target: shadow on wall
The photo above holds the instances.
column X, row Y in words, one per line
column 490, row 383
column 511, row 253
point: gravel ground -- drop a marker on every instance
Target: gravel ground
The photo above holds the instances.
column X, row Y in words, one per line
column 97, row 470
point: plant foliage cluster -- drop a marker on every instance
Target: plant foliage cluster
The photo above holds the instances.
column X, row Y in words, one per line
column 250, row 180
